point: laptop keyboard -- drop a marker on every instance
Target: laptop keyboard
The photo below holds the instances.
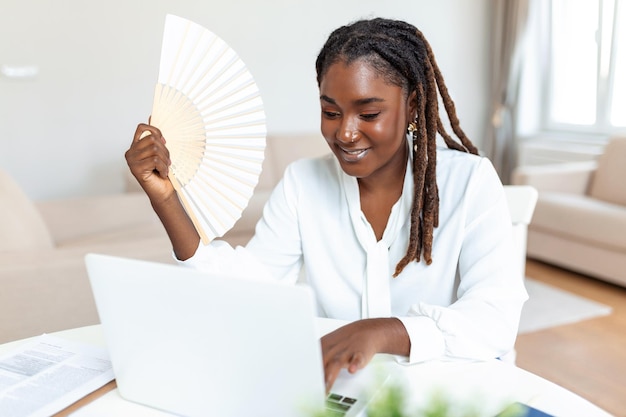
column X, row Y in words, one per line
column 337, row 405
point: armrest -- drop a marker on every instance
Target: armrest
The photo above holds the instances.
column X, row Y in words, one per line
column 48, row 290
column 571, row 177
column 78, row 217
column 42, row 292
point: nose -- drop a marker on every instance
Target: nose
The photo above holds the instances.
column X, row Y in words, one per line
column 348, row 131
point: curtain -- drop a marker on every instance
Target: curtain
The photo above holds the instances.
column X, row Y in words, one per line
column 509, row 21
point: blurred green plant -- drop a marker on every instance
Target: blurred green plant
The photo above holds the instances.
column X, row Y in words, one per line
column 392, row 401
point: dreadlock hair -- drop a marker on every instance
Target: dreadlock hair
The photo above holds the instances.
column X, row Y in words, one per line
column 399, row 53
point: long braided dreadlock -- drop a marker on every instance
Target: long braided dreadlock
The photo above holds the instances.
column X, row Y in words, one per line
column 400, row 53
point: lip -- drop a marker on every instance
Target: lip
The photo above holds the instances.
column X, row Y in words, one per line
column 352, row 155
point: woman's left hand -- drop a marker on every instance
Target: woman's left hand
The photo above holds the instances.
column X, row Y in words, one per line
column 353, row 345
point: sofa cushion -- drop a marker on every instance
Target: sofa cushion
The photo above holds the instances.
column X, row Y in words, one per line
column 581, row 218
column 21, row 224
column 87, row 217
column 607, row 183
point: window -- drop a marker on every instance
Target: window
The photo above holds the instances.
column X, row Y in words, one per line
column 586, row 68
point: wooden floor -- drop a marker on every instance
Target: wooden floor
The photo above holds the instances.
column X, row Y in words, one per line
column 589, row 357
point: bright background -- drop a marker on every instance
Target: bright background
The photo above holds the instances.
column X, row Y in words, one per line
column 64, row 132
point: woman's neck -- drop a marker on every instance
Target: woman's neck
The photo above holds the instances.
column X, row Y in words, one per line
column 388, row 179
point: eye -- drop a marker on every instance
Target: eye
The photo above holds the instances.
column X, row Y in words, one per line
column 369, row 116
column 330, row 114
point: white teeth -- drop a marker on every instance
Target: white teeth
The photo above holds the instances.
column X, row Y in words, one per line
column 353, row 155
column 353, row 152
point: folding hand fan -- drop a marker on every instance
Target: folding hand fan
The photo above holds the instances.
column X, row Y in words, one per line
column 210, row 113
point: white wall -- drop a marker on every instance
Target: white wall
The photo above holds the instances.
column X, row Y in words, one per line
column 64, row 132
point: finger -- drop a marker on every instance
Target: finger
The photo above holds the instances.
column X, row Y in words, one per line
column 151, row 163
column 152, row 144
column 357, row 361
column 147, row 156
column 143, row 130
column 330, row 373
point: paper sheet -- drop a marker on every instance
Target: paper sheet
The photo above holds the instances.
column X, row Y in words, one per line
column 48, row 374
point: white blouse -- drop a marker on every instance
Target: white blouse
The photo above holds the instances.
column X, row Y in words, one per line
column 466, row 304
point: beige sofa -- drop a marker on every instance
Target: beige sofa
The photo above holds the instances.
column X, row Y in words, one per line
column 580, row 218
column 43, row 280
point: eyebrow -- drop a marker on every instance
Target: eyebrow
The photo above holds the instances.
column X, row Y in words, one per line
column 361, row 101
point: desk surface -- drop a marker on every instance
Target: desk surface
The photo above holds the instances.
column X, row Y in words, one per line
column 467, row 383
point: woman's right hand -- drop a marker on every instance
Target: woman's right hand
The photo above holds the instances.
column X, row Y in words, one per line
column 149, row 162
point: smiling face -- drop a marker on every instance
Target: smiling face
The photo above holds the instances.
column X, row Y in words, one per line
column 364, row 120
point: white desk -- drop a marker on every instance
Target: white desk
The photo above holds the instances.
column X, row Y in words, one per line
column 485, row 384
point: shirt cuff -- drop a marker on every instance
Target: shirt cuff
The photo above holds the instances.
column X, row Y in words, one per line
column 427, row 341
column 218, row 257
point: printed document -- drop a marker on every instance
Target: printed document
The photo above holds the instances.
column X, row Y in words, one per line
column 49, row 374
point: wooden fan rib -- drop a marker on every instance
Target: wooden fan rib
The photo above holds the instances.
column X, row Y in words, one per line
column 183, row 158
column 172, row 106
column 190, row 211
column 189, row 133
column 167, row 102
column 205, row 221
column 156, row 108
column 193, row 124
column 183, row 175
column 188, row 145
column 190, row 151
column 202, row 69
column 192, row 132
column 181, row 105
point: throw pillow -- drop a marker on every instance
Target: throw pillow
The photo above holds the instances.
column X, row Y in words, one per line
column 21, row 225
column 608, row 181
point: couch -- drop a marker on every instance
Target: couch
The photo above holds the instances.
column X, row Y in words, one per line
column 43, row 280
column 580, row 217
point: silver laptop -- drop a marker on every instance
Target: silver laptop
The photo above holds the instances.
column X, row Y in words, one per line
column 195, row 344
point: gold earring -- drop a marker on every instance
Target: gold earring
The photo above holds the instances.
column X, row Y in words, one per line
column 412, row 127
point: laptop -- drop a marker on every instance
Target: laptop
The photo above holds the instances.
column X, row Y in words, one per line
column 196, row 344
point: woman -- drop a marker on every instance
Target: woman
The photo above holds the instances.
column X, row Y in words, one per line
column 408, row 242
